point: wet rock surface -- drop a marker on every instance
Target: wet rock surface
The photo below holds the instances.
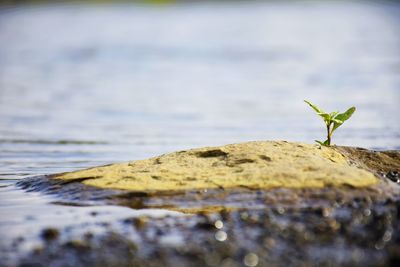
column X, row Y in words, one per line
column 329, row 226
column 351, row 234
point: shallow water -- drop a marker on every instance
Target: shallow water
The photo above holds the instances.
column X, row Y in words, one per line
column 84, row 85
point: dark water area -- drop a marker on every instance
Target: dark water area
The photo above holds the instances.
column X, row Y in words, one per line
column 86, row 85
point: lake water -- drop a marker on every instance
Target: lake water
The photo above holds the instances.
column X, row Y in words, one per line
column 85, row 85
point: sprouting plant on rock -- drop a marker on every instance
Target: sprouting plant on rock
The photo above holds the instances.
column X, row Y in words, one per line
column 332, row 121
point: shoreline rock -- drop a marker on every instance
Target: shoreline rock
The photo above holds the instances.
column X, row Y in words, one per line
column 253, row 165
column 341, row 223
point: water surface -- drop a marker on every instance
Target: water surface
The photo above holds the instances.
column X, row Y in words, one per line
column 84, row 85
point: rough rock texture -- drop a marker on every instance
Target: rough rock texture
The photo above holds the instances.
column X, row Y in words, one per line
column 255, row 165
column 325, row 213
column 381, row 163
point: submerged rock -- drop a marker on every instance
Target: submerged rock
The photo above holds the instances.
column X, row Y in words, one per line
column 250, row 204
column 252, row 165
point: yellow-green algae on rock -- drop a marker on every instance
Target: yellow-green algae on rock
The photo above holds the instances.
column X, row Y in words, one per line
column 258, row 165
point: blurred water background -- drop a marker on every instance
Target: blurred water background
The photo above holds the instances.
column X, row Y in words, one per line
column 89, row 84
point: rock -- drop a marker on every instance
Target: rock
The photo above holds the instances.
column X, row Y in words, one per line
column 250, row 204
column 49, row 234
column 254, row 165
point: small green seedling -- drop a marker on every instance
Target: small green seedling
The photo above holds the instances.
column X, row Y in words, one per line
column 332, row 120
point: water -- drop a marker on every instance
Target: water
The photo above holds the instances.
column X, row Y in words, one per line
column 85, row 85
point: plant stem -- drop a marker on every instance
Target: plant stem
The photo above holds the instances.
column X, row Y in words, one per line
column 329, row 134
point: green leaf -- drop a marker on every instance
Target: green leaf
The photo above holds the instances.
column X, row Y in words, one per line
column 317, row 109
column 334, row 118
column 333, row 114
column 325, row 143
column 325, row 116
column 342, row 117
column 320, row 112
column 345, row 115
column 337, row 121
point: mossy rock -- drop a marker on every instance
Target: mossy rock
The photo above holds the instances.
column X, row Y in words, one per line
column 254, row 165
